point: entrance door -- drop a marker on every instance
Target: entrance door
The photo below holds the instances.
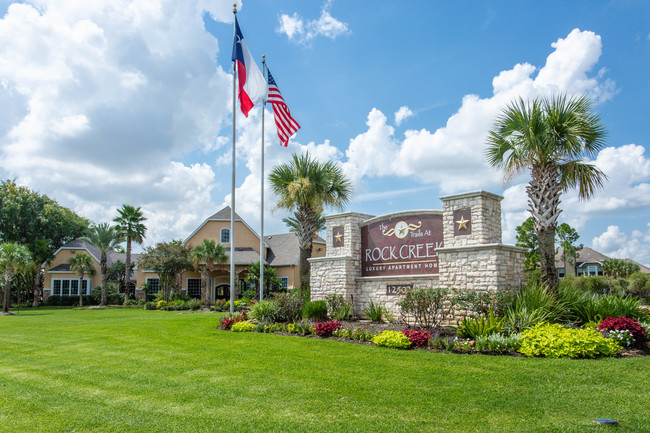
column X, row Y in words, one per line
column 222, row 291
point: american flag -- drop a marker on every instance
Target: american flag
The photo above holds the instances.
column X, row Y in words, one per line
column 287, row 125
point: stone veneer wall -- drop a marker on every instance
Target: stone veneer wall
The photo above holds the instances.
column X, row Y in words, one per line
column 473, row 261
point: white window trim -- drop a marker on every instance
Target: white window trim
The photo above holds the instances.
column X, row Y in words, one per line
column 284, row 279
column 88, row 281
column 221, row 235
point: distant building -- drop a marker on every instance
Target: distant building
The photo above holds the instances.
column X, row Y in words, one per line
column 589, row 262
column 280, row 252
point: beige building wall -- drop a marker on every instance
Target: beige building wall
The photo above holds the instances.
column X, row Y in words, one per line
column 244, row 236
column 62, row 258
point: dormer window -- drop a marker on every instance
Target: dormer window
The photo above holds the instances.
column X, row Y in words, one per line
column 225, row 236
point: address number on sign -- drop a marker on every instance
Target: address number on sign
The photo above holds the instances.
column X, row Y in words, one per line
column 396, row 290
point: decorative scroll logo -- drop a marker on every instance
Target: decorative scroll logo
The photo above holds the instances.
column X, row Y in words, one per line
column 401, row 229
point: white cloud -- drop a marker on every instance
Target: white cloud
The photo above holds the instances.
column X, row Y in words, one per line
column 615, row 243
column 100, row 96
column 301, row 30
column 402, row 114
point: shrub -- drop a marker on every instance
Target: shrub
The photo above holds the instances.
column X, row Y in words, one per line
column 276, row 327
column 264, row 311
column 393, row 339
column 497, row 343
column 556, row 341
column 150, row 306
column 178, row 295
column 477, row 326
column 289, row 307
column 219, row 305
column 68, row 301
column 195, row 304
column 639, row 284
column 112, row 297
column 484, row 301
column 338, row 308
column 417, row 337
column 360, row 334
column 374, row 312
column 315, row 310
column 243, row 327
column 622, row 337
column 130, row 302
column 325, row 329
column 161, row 304
column 176, row 305
column 624, row 324
column 427, row 307
column 227, row 322
column 303, row 327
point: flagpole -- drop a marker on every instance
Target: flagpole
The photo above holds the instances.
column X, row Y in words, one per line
column 232, row 197
column 262, row 194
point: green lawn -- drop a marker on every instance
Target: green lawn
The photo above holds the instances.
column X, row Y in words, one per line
column 115, row 370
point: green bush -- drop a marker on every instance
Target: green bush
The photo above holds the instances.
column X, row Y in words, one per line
column 374, row 312
column 498, row 343
column 220, row 305
column 338, row 308
column 596, row 308
column 556, row 341
column 150, row 306
column 129, row 302
column 161, row 304
column 393, row 339
column 478, row 326
column 248, row 294
column 178, row 295
column 427, row 307
column 639, row 284
column 195, row 304
column 176, row 305
column 302, row 328
column 112, row 297
column 243, row 327
column 264, row 311
column 289, row 306
column 315, row 310
column 484, row 301
column 590, row 284
column 68, row 301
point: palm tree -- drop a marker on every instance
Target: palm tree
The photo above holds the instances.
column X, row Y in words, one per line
column 308, row 186
column 204, row 256
column 106, row 238
column 550, row 137
column 82, row 264
column 13, row 258
column 131, row 227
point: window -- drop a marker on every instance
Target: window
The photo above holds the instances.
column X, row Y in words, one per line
column 69, row 287
column 154, row 285
column 194, row 287
column 284, row 282
column 592, row 270
column 225, row 236
column 560, row 272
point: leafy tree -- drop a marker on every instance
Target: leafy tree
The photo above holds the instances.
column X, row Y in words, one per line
column 117, row 272
column 131, row 227
column 618, row 268
column 169, row 260
column 82, row 264
column 550, row 137
column 38, row 222
column 13, row 258
column 527, row 238
column 106, row 238
column 204, row 256
column 307, row 186
column 270, row 277
column 294, row 226
column 568, row 237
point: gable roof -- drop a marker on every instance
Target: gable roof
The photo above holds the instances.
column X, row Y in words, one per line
column 223, row 215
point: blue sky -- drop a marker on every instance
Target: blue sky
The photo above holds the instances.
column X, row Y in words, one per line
column 130, row 102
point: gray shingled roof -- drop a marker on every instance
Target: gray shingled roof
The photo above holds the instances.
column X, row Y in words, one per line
column 585, row 255
column 245, row 256
column 224, row 214
column 284, row 249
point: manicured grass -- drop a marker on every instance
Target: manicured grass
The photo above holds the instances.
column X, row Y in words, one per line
column 151, row 371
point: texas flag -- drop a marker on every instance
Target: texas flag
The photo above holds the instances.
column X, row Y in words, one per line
column 252, row 85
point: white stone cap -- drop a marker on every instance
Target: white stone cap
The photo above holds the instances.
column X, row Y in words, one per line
column 472, row 194
column 325, row 259
column 483, row 247
column 348, row 214
column 401, row 213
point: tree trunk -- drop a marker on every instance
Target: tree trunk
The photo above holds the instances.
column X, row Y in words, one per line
column 81, row 290
column 305, row 268
column 7, row 301
column 38, row 285
column 547, row 259
column 205, row 276
column 544, row 192
column 127, row 273
column 307, row 229
column 104, row 279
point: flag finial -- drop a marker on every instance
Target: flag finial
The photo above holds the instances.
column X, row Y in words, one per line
column 234, row 8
